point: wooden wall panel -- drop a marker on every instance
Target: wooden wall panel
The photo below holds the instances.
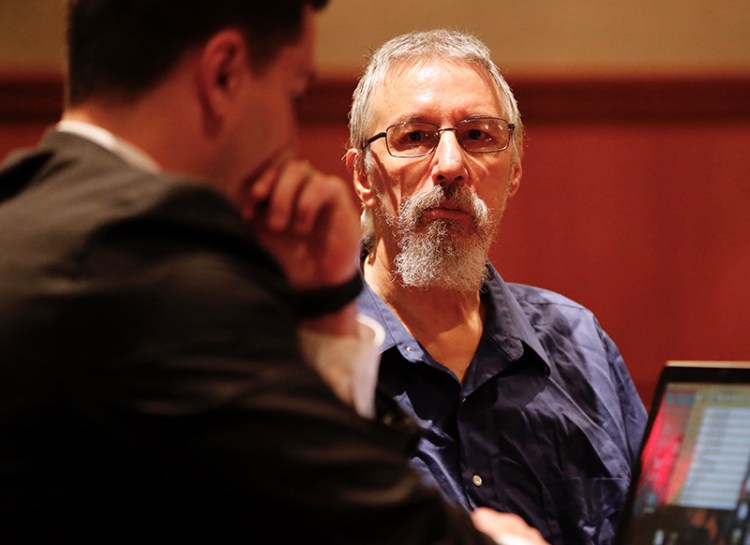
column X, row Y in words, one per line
column 634, row 201
column 646, row 224
column 29, row 103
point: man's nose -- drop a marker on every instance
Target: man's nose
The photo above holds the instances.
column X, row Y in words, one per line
column 450, row 159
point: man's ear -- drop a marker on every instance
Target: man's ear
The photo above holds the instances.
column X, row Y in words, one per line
column 222, row 69
column 355, row 164
column 516, row 171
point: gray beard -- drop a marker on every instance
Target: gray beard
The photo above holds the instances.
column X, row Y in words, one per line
column 444, row 253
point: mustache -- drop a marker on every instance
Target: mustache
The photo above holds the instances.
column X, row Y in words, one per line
column 460, row 198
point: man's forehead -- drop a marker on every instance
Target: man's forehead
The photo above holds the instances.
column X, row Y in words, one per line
column 406, row 78
column 431, row 71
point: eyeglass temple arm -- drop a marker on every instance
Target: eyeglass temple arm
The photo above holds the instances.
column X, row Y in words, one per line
column 373, row 138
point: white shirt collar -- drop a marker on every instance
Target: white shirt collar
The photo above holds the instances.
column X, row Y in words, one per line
column 128, row 152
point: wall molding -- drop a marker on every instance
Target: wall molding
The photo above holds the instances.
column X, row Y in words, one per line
column 635, row 99
column 38, row 98
column 32, row 97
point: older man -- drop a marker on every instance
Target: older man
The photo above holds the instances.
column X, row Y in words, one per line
column 525, row 403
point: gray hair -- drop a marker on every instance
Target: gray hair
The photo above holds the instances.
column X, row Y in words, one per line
column 444, row 44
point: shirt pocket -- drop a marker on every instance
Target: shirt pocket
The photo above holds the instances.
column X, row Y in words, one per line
column 588, row 509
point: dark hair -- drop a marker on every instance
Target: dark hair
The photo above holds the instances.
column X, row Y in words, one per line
column 126, row 46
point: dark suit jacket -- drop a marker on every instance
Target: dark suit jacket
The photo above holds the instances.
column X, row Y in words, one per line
column 151, row 386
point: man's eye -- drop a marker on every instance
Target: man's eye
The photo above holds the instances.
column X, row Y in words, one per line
column 416, row 136
column 476, row 134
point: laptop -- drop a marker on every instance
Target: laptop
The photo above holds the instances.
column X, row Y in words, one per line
column 691, row 483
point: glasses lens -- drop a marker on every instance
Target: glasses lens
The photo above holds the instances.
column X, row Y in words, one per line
column 483, row 135
column 411, row 139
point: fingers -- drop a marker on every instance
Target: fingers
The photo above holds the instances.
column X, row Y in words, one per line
column 256, row 202
column 307, row 220
column 283, row 197
column 506, row 528
column 293, row 195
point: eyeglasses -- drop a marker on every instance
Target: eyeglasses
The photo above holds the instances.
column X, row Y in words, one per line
column 417, row 139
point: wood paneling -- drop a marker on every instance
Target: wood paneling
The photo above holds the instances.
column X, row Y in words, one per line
column 634, row 200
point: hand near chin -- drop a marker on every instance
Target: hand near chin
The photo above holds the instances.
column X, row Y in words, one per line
column 308, row 221
column 506, row 528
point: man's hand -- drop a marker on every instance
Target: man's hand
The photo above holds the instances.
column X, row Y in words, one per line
column 308, row 221
column 506, row 528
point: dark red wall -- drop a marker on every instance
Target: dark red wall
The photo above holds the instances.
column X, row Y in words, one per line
column 635, row 201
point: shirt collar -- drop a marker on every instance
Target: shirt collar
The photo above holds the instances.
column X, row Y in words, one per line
column 123, row 149
column 370, row 304
column 506, row 324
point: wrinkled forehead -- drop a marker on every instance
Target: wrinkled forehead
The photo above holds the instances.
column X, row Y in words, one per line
column 407, row 84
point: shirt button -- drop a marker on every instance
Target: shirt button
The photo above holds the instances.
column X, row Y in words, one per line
column 408, row 348
column 477, row 480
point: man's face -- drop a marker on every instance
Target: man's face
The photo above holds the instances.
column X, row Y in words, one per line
column 265, row 125
column 436, row 215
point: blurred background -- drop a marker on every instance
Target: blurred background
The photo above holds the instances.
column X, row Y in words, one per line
column 636, row 182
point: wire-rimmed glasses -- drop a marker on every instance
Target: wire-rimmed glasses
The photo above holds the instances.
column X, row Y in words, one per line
column 417, row 139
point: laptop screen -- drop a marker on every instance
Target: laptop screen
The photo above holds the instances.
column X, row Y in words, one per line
column 691, row 485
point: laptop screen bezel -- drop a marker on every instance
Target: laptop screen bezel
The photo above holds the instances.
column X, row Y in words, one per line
column 674, row 371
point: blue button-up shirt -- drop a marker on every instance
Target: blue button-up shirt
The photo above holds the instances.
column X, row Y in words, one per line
column 546, row 423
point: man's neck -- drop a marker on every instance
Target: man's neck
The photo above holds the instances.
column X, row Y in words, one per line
column 106, row 139
column 447, row 323
column 162, row 122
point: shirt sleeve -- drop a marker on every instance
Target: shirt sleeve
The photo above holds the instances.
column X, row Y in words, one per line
column 634, row 414
column 349, row 365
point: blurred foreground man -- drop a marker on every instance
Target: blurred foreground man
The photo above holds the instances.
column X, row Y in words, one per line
column 152, row 379
column 524, row 401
